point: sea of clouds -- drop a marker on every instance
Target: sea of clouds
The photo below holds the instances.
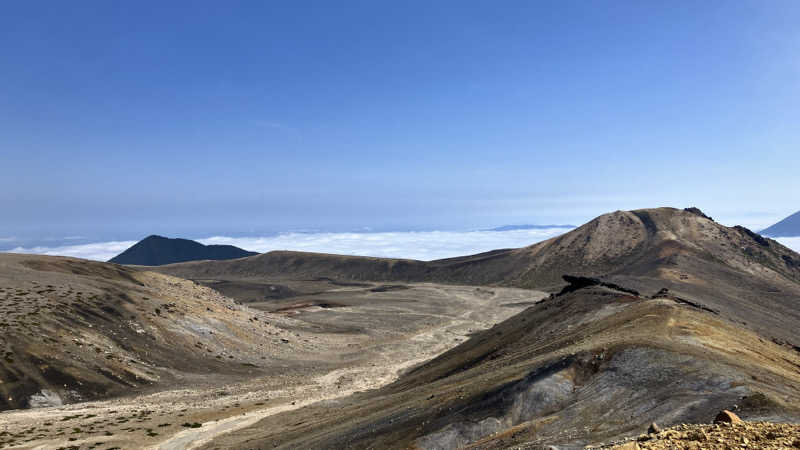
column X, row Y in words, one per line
column 98, row 251
column 791, row 242
column 422, row 245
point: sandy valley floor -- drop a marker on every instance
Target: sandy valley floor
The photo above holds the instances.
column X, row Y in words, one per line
column 366, row 335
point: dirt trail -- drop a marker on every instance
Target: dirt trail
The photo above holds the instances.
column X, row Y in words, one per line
column 326, row 385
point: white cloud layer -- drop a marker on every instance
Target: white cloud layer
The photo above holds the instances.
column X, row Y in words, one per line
column 99, row 251
column 423, row 245
column 791, row 242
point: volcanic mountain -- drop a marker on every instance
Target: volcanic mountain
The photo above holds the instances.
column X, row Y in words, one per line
column 788, row 227
column 157, row 250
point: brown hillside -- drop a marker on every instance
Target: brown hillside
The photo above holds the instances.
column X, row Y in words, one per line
column 74, row 330
column 730, row 270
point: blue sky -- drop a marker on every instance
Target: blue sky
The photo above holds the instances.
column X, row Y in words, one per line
column 122, row 119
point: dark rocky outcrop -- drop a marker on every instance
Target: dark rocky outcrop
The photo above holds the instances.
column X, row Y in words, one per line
column 579, row 282
column 665, row 293
column 760, row 240
column 697, row 211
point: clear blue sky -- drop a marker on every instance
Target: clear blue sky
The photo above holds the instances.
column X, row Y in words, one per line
column 125, row 118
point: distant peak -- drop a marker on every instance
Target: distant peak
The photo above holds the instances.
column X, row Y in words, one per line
column 788, row 227
column 155, row 250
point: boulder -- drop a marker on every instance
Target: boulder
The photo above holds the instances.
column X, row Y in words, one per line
column 653, row 428
column 726, row 416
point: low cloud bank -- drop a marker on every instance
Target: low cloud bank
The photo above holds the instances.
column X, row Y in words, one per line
column 791, row 242
column 424, row 245
column 99, row 251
